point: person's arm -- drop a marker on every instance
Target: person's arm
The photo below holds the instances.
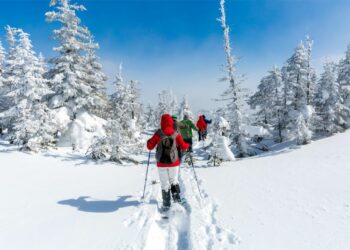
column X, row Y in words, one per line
column 182, row 125
column 208, row 121
column 181, row 143
column 151, row 143
column 193, row 127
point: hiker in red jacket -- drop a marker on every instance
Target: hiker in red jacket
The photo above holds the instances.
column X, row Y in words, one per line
column 167, row 140
column 202, row 127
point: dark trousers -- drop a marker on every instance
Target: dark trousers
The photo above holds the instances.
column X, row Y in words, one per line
column 189, row 141
column 202, row 135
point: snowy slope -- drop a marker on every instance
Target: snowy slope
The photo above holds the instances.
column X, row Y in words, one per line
column 294, row 199
column 61, row 201
column 298, row 198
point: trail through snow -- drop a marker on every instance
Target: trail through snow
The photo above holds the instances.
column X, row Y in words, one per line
column 194, row 228
column 290, row 198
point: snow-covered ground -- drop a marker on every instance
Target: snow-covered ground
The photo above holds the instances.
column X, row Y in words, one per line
column 296, row 198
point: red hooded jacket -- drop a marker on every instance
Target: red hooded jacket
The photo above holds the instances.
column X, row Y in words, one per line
column 201, row 124
column 167, row 128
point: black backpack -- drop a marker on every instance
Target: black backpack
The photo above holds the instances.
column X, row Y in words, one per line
column 166, row 152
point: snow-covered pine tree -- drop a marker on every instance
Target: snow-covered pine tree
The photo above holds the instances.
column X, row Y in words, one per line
column 150, row 117
column 96, row 79
column 185, row 109
column 132, row 121
column 122, row 132
column 2, row 90
column 331, row 113
column 267, row 100
column 117, row 99
column 11, row 78
column 344, row 81
column 167, row 104
column 173, row 104
column 111, row 146
column 132, row 96
column 297, row 113
column 126, row 110
column 311, row 73
column 2, row 63
column 233, row 93
column 31, row 125
column 68, row 74
column 163, row 104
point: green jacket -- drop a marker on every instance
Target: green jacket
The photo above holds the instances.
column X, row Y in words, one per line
column 186, row 127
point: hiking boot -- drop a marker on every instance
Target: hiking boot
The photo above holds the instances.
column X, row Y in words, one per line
column 175, row 192
column 166, row 199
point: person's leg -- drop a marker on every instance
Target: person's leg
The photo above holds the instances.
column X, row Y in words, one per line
column 190, row 142
column 204, row 136
column 173, row 175
column 165, row 185
column 174, row 182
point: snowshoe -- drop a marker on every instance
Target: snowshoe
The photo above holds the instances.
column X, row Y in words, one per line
column 164, row 209
column 175, row 192
column 164, row 212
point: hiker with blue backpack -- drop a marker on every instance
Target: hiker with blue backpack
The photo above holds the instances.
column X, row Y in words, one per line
column 167, row 139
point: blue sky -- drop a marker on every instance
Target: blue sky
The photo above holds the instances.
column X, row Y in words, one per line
column 177, row 44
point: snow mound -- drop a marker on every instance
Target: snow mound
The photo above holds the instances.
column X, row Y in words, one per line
column 82, row 130
column 222, row 149
column 256, row 131
column 61, row 117
column 56, row 101
column 135, row 132
column 223, row 123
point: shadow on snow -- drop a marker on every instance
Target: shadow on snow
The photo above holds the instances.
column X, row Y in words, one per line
column 87, row 204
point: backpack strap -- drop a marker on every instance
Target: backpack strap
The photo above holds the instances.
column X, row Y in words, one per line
column 162, row 135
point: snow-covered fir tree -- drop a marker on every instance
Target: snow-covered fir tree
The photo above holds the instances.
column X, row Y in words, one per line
column 117, row 99
column 96, row 79
column 344, row 81
column 111, row 146
column 233, row 93
column 2, row 90
column 185, row 108
column 127, row 108
column 2, row 63
column 133, row 123
column 297, row 112
column 167, row 104
column 331, row 112
column 151, row 117
column 31, row 125
column 268, row 103
column 122, row 131
column 75, row 75
column 310, row 72
column 11, row 77
column 132, row 96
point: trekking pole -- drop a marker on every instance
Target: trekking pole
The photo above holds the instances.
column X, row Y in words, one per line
column 195, row 175
column 144, row 187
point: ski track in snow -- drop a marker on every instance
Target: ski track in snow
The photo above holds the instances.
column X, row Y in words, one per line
column 194, row 229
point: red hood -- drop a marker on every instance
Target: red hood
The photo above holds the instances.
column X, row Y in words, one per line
column 166, row 124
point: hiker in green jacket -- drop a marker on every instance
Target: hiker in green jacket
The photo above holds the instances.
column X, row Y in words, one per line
column 186, row 126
